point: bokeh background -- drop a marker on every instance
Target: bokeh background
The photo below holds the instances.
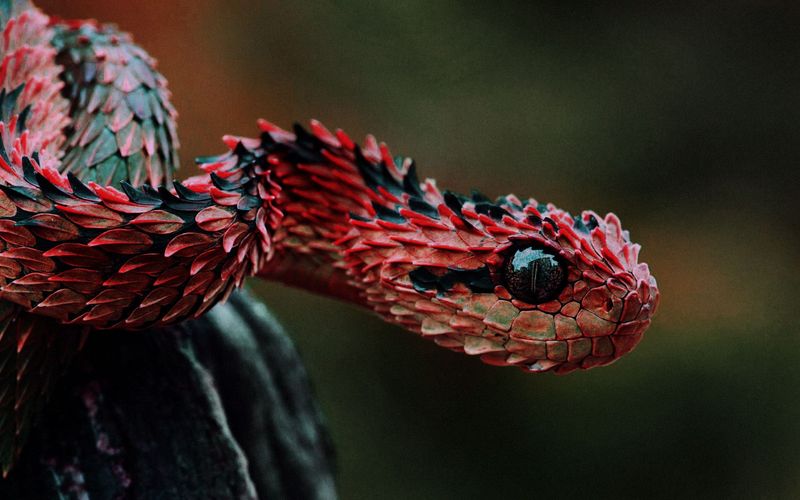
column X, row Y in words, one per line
column 682, row 120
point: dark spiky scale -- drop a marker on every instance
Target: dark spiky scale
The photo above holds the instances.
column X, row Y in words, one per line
column 226, row 185
column 267, row 142
column 190, row 195
column 28, row 172
column 411, row 181
column 377, row 175
column 388, row 180
column 50, row 191
column 180, row 204
column 23, row 118
column 388, row 214
column 490, row 209
column 306, row 149
column 423, row 207
column 454, row 201
column 306, row 140
column 534, row 221
column 80, row 190
column 140, row 196
column 19, row 191
column 244, row 156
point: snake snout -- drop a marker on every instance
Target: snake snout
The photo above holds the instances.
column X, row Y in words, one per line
column 605, row 306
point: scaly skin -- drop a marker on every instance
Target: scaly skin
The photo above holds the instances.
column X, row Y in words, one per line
column 91, row 239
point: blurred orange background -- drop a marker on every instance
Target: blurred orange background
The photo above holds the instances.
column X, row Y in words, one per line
column 681, row 120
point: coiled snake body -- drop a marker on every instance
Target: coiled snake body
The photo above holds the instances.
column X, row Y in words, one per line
column 95, row 235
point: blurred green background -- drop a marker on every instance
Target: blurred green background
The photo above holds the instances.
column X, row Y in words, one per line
column 682, row 120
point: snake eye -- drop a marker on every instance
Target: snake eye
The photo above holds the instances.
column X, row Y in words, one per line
column 534, row 275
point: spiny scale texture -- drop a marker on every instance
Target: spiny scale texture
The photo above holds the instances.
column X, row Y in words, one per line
column 33, row 115
column 93, row 235
column 131, row 257
column 123, row 125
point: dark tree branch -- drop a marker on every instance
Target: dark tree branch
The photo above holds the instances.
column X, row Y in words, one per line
column 219, row 408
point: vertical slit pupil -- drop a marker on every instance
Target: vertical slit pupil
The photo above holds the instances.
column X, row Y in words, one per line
column 534, row 275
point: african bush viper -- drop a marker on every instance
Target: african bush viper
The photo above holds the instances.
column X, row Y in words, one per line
column 95, row 234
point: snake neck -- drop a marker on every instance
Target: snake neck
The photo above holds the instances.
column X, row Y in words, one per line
column 313, row 189
column 327, row 190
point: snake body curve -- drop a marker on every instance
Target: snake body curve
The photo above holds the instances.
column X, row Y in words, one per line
column 94, row 233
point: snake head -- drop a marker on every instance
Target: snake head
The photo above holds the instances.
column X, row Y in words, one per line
column 516, row 283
